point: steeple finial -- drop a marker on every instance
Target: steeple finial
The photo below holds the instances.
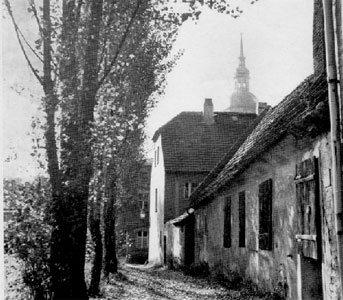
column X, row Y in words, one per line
column 242, row 57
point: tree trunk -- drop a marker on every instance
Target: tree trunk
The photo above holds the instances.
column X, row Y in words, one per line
column 94, row 224
column 110, row 261
column 68, row 248
column 97, row 262
column 69, row 233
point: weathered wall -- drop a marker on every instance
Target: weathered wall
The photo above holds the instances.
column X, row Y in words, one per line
column 329, row 242
column 170, row 203
column 175, row 245
column 175, row 202
column 278, row 267
column 157, row 215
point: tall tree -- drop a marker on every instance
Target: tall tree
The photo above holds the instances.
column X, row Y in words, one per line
column 77, row 58
column 81, row 50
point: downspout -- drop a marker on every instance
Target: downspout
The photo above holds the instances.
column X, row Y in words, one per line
column 333, row 82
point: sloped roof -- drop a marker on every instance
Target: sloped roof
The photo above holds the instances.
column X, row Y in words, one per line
column 191, row 145
column 296, row 108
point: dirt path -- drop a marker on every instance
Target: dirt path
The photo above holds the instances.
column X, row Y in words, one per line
column 137, row 283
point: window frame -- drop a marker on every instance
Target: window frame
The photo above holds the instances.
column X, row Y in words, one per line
column 227, row 234
column 188, row 189
column 265, row 199
column 142, row 239
column 242, row 219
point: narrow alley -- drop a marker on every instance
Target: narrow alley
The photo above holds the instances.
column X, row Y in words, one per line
column 142, row 283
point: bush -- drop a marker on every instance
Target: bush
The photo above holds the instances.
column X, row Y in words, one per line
column 197, row 270
column 232, row 280
column 27, row 233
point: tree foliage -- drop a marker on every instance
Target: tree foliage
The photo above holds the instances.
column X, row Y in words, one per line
column 84, row 48
column 27, row 233
column 99, row 63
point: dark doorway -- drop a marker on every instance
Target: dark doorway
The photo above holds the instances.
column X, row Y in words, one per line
column 189, row 240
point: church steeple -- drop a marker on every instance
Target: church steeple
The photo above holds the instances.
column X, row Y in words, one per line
column 242, row 57
column 242, row 73
column 242, row 100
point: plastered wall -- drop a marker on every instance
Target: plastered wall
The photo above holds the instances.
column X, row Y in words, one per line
column 275, row 269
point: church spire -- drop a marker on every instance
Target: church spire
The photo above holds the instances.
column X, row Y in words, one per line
column 242, row 73
column 242, row 100
column 242, row 57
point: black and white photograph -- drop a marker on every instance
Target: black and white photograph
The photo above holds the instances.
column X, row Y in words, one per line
column 172, row 150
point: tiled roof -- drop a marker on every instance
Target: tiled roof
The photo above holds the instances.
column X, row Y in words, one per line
column 299, row 107
column 191, row 145
column 180, row 219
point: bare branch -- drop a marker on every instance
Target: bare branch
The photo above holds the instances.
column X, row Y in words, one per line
column 18, row 34
column 34, row 10
column 120, row 46
column 30, row 47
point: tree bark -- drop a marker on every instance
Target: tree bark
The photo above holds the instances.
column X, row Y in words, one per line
column 110, row 259
column 95, row 229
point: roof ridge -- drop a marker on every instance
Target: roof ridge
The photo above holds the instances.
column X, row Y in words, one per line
column 260, row 139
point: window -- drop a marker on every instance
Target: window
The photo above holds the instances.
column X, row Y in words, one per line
column 155, row 200
column 265, row 212
column 158, row 155
column 227, row 223
column 142, row 240
column 189, row 188
column 241, row 214
column 143, row 204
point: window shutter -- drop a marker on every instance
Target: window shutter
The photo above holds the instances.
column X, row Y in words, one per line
column 227, row 223
column 308, row 236
column 265, row 215
column 242, row 219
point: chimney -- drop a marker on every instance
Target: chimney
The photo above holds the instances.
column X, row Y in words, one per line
column 318, row 38
column 208, row 111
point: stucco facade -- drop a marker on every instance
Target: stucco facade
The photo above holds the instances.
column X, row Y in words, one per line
column 278, row 268
column 183, row 156
column 157, row 194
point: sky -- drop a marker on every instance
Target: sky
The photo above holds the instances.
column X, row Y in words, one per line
column 277, row 38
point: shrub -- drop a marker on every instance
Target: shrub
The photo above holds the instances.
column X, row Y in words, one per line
column 27, row 233
column 197, row 270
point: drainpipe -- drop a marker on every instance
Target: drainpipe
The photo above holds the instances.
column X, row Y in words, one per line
column 331, row 68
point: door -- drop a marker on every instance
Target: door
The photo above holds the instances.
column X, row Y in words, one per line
column 309, row 230
column 189, row 240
